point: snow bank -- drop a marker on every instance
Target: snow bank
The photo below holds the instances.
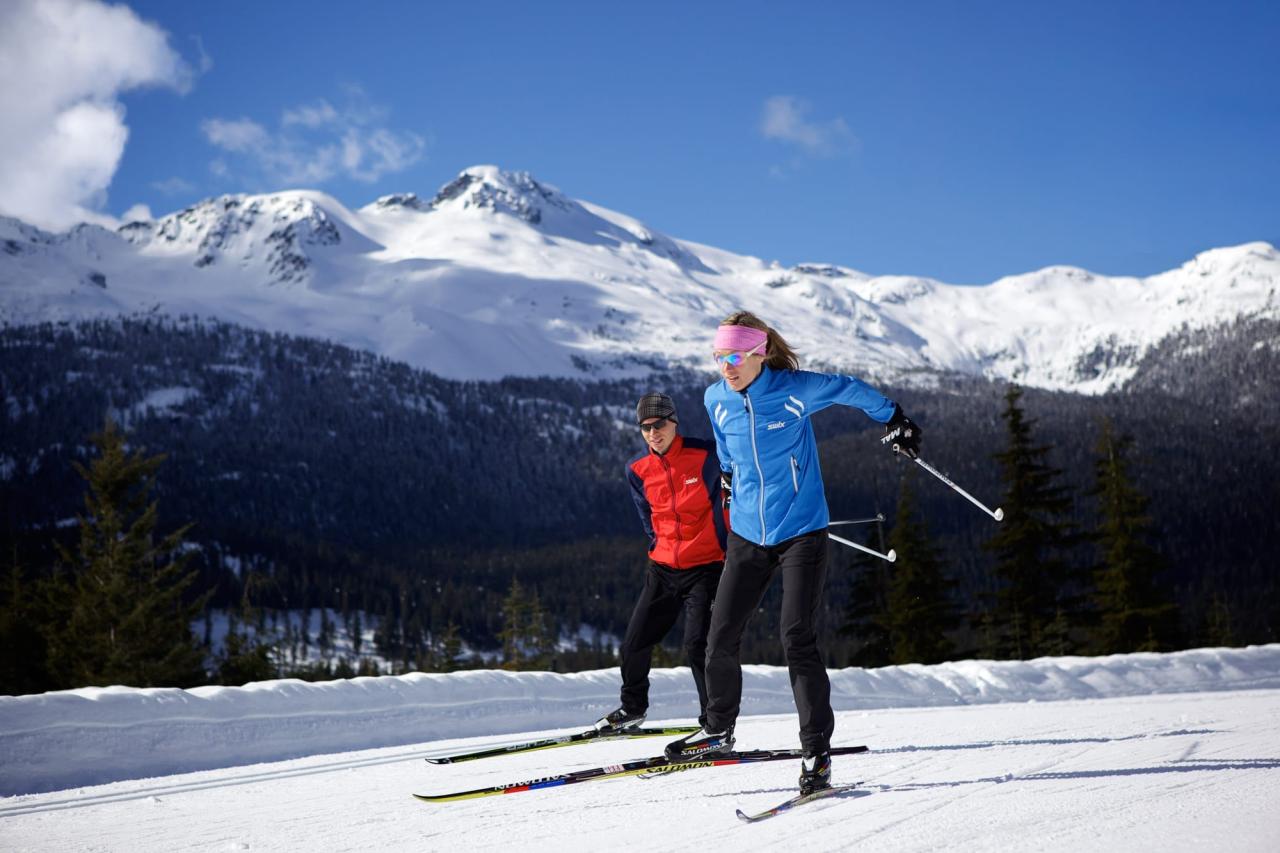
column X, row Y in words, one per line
column 97, row 735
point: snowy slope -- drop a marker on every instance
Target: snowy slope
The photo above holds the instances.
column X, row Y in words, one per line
column 96, row 735
column 500, row 274
column 1054, row 754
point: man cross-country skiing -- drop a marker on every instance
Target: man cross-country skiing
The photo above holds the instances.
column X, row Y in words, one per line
column 675, row 484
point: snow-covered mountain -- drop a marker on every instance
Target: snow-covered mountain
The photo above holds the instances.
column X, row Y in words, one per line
column 500, row 274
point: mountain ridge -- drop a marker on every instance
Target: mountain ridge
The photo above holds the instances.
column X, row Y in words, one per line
column 501, row 274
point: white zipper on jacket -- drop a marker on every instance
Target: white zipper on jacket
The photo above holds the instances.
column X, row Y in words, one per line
column 751, row 412
column 795, row 474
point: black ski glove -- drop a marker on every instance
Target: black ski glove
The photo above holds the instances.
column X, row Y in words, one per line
column 902, row 434
column 726, row 487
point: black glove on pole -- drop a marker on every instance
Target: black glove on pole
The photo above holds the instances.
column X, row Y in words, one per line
column 902, row 434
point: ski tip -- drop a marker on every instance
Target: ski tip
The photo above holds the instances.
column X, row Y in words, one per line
column 441, row 760
column 999, row 514
column 449, row 798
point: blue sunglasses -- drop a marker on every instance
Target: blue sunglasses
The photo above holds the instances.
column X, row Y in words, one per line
column 733, row 359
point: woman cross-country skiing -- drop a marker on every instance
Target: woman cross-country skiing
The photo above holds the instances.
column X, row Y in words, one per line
column 760, row 413
column 675, row 484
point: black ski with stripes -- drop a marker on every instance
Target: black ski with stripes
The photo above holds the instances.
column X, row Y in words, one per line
column 649, row 766
column 590, row 736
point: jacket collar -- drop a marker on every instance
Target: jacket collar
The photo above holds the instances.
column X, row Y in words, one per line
column 677, row 444
column 760, row 384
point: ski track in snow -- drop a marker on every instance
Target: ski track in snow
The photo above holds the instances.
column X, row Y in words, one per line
column 1192, row 771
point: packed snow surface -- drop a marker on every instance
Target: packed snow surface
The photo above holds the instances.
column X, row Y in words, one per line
column 1173, row 752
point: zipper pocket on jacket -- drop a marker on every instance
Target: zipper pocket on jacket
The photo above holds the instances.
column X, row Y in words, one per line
column 795, row 474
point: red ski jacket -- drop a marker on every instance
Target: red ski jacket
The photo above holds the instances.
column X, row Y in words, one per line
column 678, row 497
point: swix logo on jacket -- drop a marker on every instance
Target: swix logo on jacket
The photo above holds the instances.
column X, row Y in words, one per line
column 764, row 437
column 678, row 497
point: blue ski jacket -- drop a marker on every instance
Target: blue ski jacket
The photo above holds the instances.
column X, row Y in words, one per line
column 763, row 435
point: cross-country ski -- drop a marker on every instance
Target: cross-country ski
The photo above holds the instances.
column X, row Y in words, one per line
column 792, row 802
column 589, row 736
column 656, row 766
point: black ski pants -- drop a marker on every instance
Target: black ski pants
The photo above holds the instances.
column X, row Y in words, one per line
column 666, row 592
column 748, row 570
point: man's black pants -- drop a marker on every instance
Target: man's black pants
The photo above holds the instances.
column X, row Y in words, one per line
column 667, row 591
column 748, row 571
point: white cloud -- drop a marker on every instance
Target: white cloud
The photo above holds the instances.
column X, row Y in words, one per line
column 314, row 115
column 381, row 152
column 64, row 64
column 206, row 61
column 173, row 186
column 316, row 142
column 238, row 135
column 137, row 213
column 785, row 118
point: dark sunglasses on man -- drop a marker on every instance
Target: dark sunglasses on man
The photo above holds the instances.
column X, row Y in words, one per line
column 658, row 424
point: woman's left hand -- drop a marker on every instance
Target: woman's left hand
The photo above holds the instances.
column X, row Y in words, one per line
column 902, row 434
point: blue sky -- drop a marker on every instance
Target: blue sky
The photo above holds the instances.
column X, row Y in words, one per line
column 962, row 141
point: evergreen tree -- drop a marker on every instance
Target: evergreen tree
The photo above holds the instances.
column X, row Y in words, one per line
column 324, row 640
column 920, row 607
column 450, row 648
column 23, row 649
column 356, row 633
column 305, row 627
column 1037, row 599
column 245, row 656
column 1216, row 628
column 244, row 660
column 1135, row 613
column 867, row 614
column 387, row 640
column 541, row 637
column 528, row 641
column 128, row 621
column 515, row 617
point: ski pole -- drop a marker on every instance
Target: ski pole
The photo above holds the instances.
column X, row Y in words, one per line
column 891, row 556
column 998, row 515
column 879, row 516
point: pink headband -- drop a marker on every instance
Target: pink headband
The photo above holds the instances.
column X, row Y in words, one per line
column 740, row 338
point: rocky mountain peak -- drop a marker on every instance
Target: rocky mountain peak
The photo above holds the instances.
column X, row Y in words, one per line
column 280, row 228
column 406, row 201
column 514, row 193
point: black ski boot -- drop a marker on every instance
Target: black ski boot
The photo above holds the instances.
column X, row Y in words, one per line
column 815, row 772
column 700, row 744
column 618, row 720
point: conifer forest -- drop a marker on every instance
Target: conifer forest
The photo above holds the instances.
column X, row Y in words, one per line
column 158, row 477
